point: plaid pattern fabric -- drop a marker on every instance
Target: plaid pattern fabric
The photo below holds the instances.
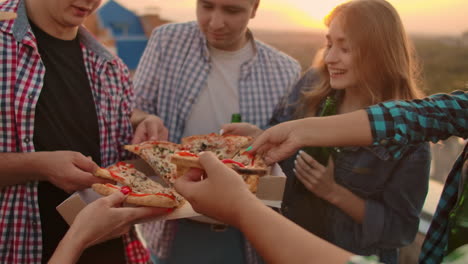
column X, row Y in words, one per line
column 397, row 123
column 22, row 74
column 175, row 67
column 171, row 73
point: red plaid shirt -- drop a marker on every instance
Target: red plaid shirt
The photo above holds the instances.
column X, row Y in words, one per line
column 21, row 80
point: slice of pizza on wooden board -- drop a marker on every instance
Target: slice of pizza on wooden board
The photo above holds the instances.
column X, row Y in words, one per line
column 143, row 190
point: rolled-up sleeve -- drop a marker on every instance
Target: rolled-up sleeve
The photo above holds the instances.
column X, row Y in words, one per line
column 393, row 220
column 398, row 124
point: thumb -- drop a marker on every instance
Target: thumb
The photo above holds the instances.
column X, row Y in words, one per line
column 115, row 199
column 139, row 135
column 185, row 184
column 211, row 164
column 85, row 163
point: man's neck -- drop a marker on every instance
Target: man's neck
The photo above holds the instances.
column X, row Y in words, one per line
column 40, row 17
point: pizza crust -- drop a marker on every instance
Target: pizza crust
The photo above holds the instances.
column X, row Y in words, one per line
column 153, row 200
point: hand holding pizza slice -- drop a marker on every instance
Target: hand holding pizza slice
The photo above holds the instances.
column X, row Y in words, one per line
column 141, row 189
column 228, row 148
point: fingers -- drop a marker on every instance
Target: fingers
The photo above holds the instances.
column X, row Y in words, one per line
column 194, row 174
column 137, row 213
column 226, row 129
column 139, row 135
column 84, row 163
column 115, row 199
column 260, row 144
column 213, row 166
column 306, row 159
column 185, row 184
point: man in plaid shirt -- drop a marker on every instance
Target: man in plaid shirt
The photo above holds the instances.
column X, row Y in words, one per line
column 62, row 97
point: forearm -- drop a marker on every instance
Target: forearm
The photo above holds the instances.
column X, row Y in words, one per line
column 19, row 168
column 351, row 129
column 269, row 232
column 349, row 203
column 68, row 251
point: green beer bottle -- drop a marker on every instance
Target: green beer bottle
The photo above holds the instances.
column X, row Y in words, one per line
column 236, row 118
column 458, row 222
column 321, row 154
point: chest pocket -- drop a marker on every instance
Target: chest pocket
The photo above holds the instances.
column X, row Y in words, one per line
column 364, row 171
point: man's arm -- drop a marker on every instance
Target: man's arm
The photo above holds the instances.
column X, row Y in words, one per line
column 19, row 168
column 67, row 170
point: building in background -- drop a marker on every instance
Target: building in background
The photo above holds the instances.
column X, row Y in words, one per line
column 122, row 31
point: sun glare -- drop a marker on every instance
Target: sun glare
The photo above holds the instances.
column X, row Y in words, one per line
column 303, row 13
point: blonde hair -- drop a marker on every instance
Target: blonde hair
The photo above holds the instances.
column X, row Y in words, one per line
column 385, row 62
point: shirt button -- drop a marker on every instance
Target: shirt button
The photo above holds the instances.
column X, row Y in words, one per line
column 26, row 140
column 383, row 142
column 30, row 96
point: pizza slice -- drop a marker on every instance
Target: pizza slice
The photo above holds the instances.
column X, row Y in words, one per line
column 143, row 190
column 224, row 146
column 158, row 155
column 186, row 160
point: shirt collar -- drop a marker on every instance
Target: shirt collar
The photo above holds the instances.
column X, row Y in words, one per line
column 206, row 51
column 22, row 32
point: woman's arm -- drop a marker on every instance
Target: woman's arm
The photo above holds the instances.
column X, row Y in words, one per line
column 277, row 239
column 393, row 123
column 99, row 221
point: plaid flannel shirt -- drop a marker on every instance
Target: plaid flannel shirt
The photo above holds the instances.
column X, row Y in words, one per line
column 399, row 124
column 22, row 74
column 174, row 69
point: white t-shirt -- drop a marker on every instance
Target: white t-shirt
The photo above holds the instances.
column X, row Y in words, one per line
column 220, row 98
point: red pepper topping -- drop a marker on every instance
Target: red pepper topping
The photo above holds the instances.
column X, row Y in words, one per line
column 115, row 176
column 233, row 162
column 251, row 157
column 146, row 194
column 126, row 190
column 186, row 154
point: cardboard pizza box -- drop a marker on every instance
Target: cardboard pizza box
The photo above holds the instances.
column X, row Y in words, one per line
column 270, row 190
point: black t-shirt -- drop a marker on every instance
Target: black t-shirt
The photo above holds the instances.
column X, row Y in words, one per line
column 65, row 119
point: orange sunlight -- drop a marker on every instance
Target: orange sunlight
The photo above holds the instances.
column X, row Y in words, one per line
column 303, row 13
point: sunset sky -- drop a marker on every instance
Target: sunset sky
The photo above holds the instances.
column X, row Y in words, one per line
column 445, row 17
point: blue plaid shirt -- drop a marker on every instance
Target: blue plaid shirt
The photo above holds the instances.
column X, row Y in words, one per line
column 174, row 69
column 401, row 123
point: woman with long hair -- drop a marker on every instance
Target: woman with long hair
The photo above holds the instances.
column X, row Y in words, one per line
column 361, row 199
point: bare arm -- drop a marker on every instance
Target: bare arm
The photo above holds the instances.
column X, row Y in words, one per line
column 67, row 170
column 99, row 221
column 267, row 230
column 19, row 168
column 283, row 140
